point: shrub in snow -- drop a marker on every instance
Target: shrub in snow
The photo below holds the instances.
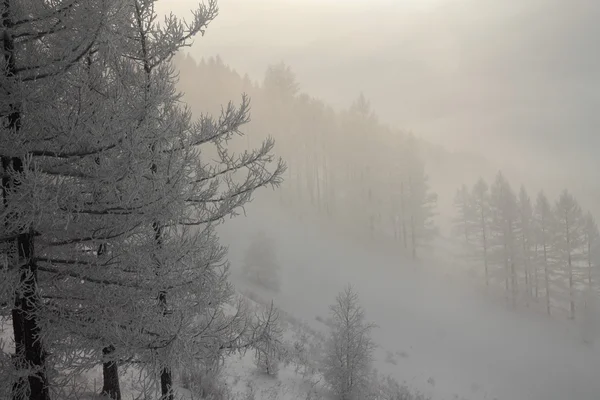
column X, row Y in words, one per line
column 207, row 383
column 268, row 348
column 390, row 389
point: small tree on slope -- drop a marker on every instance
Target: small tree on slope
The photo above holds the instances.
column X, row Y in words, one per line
column 349, row 350
column 268, row 350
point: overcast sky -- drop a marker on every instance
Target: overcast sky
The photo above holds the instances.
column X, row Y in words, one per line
column 509, row 78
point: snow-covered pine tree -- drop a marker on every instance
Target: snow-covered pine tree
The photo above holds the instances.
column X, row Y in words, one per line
column 347, row 364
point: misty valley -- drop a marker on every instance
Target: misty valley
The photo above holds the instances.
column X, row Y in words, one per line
column 202, row 205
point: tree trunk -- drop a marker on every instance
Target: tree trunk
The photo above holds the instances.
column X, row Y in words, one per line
column 527, row 272
column 110, row 374
column 403, row 215
column 589, row 257
column 29, row 348
column 570, row 266
column 166, row 384
column 166, row 375
column 535, row 272
column 547, row 279
column 506, row 272
column 413, row 237
column 110, row 368
column 30, row 353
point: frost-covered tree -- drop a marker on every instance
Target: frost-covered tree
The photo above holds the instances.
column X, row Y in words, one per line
column 42, row 43
column 110, row 199
column 349, row 349
column 268, row 350
column 544, row 225
column 569, row 241
column 260, row 262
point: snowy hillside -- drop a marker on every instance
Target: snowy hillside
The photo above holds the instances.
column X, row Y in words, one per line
column 436, row 331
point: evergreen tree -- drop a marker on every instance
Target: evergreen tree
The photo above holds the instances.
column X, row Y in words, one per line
column 280, row 81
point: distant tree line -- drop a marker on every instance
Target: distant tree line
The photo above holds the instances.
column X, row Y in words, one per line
column 539, row 251
column 344, row 165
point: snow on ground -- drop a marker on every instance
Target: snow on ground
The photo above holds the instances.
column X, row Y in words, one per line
column 294, row 381
column 289, row 384
column 436, row 331
column 445, row 337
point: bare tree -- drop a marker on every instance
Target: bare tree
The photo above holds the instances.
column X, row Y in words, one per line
column 420, row 202
column 526, row 239
column 465, row 218
column 504, row 211
column 569, row 240
column 268, row 350
column 545, row 225
column 481, row 212
column 592, row 244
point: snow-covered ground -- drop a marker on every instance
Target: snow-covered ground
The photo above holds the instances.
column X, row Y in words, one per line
column 437, row 331
column 441, row 334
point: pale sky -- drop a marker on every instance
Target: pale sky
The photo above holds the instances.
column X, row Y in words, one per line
column 520, row 77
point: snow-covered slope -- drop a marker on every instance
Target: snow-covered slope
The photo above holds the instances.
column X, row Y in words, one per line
column 442, row 335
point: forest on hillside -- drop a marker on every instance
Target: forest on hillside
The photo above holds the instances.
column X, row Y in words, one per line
column 374, row 180
column 345, row 165
column 122, row 161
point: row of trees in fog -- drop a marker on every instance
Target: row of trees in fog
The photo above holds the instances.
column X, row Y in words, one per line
column 537, row 249
column 110, row 195
column 345, row 165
